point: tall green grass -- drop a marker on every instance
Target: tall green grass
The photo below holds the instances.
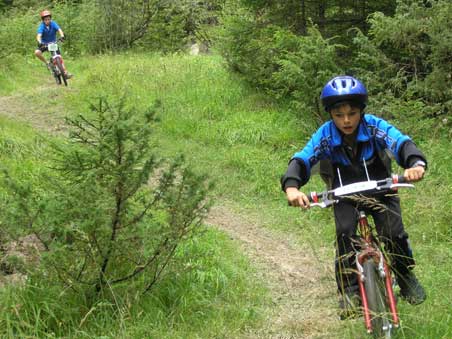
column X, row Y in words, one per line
column 207, row 293
column 244, row 140
column 210, row 290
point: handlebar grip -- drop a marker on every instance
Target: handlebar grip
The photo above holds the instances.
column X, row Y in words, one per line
column 399, row 179
column 313, row 197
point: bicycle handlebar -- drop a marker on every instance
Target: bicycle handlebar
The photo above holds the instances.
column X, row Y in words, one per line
column 327, row 198
column 401, row 179
column 53, row 42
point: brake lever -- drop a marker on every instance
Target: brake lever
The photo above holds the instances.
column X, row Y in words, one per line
column 326, row 202
column 389, row 185
column 323, row 204
column 395, row 186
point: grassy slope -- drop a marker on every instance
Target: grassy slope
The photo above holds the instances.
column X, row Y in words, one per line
column 214, row 294
column 244, row 141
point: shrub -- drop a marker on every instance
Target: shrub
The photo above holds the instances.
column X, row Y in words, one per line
column 409, row 55
column 17, row 34
column 110, row 215
column 286, row 65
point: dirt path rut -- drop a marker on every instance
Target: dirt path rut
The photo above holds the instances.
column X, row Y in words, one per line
column 46, row 117
column 302, row 291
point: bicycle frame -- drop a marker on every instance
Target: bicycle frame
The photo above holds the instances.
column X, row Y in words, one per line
column 369, row 248
column 57, row 61
column 56, row 56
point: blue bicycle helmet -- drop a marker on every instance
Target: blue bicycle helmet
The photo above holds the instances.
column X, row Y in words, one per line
column 343, row 88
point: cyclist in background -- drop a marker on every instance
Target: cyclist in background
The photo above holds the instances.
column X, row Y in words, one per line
column 46, row 33
column 348, row 139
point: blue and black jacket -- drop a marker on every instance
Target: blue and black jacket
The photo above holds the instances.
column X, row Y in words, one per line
column 375, row 137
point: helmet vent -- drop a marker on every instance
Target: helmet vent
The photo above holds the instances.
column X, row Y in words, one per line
column 343, row 88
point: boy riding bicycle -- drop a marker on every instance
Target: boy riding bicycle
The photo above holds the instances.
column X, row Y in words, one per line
column 46, row 34
column 346, row 141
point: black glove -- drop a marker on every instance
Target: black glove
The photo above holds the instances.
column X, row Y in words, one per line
column 41, row 45
column 62, row 38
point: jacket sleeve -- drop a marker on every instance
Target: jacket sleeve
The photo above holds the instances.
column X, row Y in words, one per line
column 400, row 145
column 409, row 154
column 389, row 137
column 295, row 176
column 299, row 169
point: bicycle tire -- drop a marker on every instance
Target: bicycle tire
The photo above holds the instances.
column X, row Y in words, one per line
column 61, row 70
column 55, row 74
column 57, row 78
column 376, row 299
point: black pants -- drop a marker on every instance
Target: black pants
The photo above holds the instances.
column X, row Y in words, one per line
column 390, row 230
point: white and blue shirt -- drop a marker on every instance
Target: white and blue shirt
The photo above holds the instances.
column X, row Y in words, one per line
column 48, row 33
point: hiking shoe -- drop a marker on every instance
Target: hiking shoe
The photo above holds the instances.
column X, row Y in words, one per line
column 69, row 75
column 411, row 289
column 349, row 305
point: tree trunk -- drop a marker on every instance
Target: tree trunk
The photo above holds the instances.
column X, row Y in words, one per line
column 321, row 14
column 302, row 28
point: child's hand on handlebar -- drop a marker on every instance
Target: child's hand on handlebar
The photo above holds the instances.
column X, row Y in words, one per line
column 296, row 198
column 414, row 174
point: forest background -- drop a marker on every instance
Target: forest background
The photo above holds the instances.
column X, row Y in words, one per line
column 117, row 215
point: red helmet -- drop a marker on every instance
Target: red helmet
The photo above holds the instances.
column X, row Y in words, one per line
column 45, row 13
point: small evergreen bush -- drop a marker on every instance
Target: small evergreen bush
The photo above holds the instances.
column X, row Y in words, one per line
column 109, row 215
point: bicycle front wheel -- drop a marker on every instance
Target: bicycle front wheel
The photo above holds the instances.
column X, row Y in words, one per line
column 56, row 74
column 376, row 299
column 59, row 64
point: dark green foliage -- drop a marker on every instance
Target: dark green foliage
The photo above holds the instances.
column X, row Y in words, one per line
column 283, row 63
column 111, row 215
column 100, row 26
column 408, row 57
column 306, row 63
column 21, row 4
column 5, row 4
column 180, row 23
column 405, row 60
column 17, row 36
column 118, row 23
column 332, row 17
column 168, row 31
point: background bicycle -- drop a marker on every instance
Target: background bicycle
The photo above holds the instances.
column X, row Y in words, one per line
column 56, row 63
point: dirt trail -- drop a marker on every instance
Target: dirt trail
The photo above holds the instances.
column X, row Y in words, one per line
column 46, row 117
column 303, row 293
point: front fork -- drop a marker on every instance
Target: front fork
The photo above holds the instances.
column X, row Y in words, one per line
column 390, row 296
column 368, row 251
column 384, row 272
column 362, row 292
column 54, row 62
